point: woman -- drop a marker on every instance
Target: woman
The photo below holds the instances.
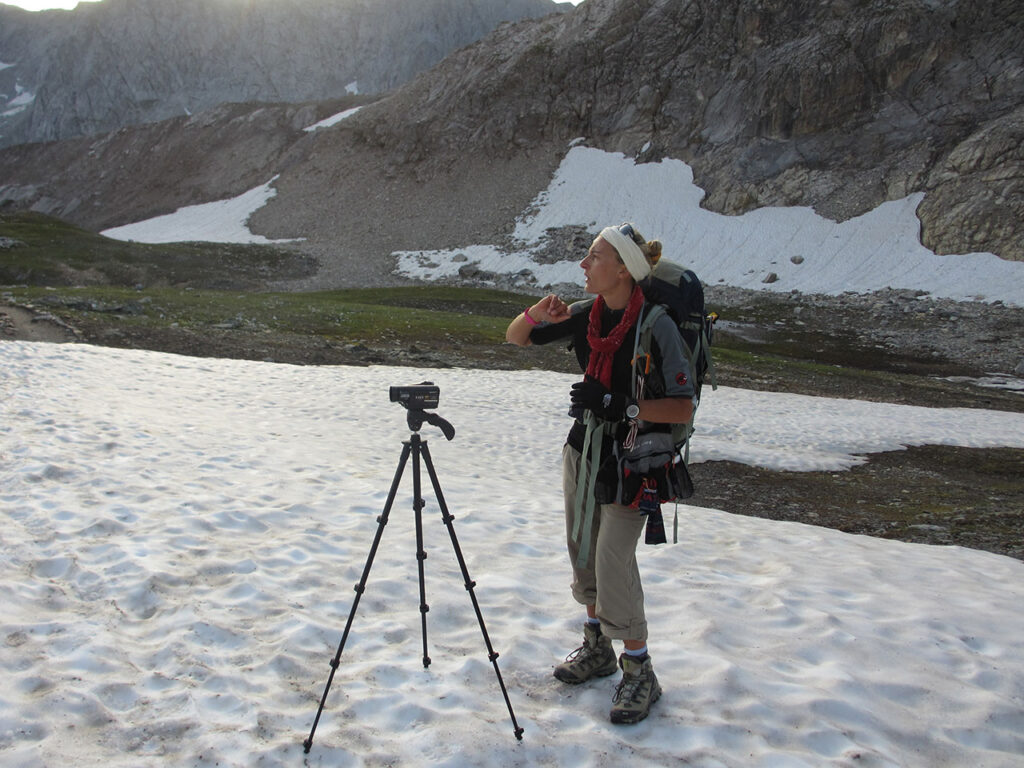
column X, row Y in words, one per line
column 602, row 534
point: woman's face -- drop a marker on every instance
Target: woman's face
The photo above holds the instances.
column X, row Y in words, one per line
column 602, row 268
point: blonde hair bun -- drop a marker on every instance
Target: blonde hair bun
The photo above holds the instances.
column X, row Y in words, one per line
column 652, row 250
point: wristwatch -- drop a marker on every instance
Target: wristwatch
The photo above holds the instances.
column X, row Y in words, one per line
column 632, row 409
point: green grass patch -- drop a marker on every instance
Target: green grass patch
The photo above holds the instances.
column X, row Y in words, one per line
column 83, row 276
column 399, row 314
column 41, row 250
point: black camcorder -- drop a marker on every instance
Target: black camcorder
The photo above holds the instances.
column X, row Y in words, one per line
column 418, row 396
column 416, row 399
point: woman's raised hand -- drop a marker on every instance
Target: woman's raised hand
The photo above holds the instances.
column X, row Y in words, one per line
column 550, row 309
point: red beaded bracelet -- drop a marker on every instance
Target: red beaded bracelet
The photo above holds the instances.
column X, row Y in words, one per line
column 529, row 319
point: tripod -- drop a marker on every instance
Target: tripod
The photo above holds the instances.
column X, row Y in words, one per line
column 417, row 447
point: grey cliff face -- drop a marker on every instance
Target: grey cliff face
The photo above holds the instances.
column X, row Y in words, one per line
column 124, row 62
column 839, row 106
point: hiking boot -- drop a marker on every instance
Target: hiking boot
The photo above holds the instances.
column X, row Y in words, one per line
column 595, row 658
column 637, row 691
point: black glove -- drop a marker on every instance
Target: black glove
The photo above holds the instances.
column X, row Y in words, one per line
column 596, row 397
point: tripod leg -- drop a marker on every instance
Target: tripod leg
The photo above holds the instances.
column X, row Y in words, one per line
column 470, row 584
column 360, row 587
column 421, row 553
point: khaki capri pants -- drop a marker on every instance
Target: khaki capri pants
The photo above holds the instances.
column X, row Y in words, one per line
column 611, row 580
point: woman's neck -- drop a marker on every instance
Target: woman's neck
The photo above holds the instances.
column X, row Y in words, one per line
column 618, row 297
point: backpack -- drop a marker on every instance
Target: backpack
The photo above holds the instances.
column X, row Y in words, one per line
column 673, row 289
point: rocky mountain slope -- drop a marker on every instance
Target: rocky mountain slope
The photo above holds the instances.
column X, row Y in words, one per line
column 107, row 65
column 839, row 106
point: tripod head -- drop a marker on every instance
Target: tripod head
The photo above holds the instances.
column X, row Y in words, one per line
column 416, row 419
column 415, row 399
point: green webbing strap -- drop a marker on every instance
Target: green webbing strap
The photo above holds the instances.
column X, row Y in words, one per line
column 642, row 338
column 643, row 334
column 705, row 348
column 586, row 480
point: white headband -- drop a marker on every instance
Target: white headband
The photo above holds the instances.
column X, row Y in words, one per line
column 629, row 252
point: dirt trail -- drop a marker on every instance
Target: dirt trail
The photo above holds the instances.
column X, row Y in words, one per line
column 19, row 324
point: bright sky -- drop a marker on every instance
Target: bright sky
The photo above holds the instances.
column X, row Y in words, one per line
column 42, row 5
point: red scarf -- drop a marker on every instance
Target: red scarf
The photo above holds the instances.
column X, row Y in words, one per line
column 603, row 348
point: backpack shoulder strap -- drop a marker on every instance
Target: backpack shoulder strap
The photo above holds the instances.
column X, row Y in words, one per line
column 644, row 330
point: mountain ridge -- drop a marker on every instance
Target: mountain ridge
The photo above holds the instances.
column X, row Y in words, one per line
column 838, row 108
column 107, row 65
